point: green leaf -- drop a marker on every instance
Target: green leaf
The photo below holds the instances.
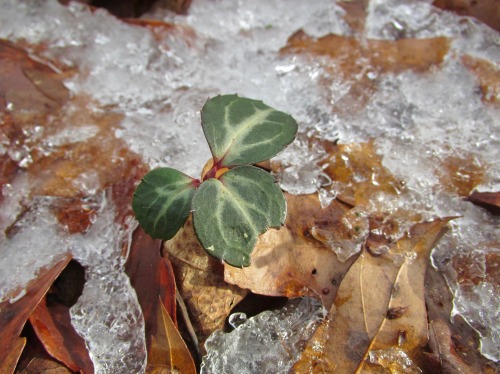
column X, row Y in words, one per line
column 162, row 202
column 243, row 131
column 231, row 212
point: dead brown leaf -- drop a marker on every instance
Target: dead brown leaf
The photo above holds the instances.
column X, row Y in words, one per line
column 35, row 360
column 453, row 344
column 29, row 92
column 168, row 352
column 487, row 75
column 200, row 281
column 11, row 358
column 52, row 324
column 294, row 261
column 488, row 200
column 153, row 279
column 13, row 315
column 403, row 333
column 369, row 293
column 355, row 14
column 460, row 174
column 486, row 11
column 359, row 168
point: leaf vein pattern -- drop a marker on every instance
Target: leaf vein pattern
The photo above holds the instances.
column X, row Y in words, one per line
column 240, row 206
column 243, row 127
column 169, row 196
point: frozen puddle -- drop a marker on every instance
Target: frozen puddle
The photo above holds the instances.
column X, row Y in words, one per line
column 418, row 120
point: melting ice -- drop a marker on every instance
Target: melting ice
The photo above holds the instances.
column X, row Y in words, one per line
column 270, row 342
column 159, row 85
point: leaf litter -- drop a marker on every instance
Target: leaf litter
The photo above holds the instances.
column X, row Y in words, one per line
column 374, row 185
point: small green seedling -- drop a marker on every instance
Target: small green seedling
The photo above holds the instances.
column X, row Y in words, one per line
column 234, row 202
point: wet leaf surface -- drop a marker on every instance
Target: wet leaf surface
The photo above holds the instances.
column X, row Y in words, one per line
column 360, row 171
column 487, row 75
column 488, row 200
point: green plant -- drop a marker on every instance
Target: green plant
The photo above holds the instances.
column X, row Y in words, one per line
column 234, row 202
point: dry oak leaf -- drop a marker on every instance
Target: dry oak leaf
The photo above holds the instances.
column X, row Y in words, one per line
column 403, row 333
column 367, row 296
column 200, row 282
column 347, row 59
column 291, row 261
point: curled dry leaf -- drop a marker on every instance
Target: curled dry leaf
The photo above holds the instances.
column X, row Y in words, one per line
column 36, row 360
column 291, row 262
column 16, row 312
column 201, row 283
column 374, row 285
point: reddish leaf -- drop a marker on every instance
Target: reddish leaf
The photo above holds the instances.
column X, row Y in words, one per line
column 151, row 276
column 35, row 358
column 14, row 315
column 10, row 362
column 52, row 324
column 51, row 320
column 486, row 11
column 488, row 200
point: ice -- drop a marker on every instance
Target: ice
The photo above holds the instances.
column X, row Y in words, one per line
column 22, row 255
column 468, row 257
column 270, row 342
column 107, row 314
